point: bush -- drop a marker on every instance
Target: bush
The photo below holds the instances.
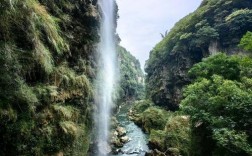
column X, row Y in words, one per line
column 169, row 132
column 219, row 103
column 154, row 119
column 175, row 138
column 140, row 106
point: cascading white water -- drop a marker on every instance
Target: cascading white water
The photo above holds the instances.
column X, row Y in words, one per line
column 106, row 77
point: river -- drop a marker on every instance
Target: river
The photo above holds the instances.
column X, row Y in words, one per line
column 137, row 146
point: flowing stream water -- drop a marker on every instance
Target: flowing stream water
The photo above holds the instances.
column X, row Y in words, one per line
column 106, row 83
column 106, row 77
column 137, row 146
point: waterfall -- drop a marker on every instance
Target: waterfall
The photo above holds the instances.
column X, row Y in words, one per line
column 106, row 76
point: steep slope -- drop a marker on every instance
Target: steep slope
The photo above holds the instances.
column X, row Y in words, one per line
column 49, row 66
column 131, row 83
column 217, row 25
column 47, row 53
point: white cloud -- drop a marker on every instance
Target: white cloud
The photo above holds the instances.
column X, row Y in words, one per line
column 142, row 21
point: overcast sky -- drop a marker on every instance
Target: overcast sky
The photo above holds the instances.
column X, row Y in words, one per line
column 142, row 21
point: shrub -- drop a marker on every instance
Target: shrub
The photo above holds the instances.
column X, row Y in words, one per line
column 219, row 103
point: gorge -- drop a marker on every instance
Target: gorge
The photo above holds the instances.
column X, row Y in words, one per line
column 68, row 88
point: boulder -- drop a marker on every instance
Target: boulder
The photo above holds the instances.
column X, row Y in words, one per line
column 155, row 152
column 115, row 133
column 116, row 142
column 125, row 139
column 121, row 131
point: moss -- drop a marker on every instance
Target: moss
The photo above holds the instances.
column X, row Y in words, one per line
column 45, row 106
column 81, row 145
column 157, row 140
column 131, row 82
column 170, row 132
column 153, row 118
column 140, row 106
column 65, row 77
column 214, row 26
column 7, row 114
column 66, row 112
column 26, row 94
column 69, row 127
column 174, row 139
column 178, row 133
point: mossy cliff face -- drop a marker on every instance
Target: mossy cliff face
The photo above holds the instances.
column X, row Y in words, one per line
column 217, row 25
column 131, row 83
column 47, row 53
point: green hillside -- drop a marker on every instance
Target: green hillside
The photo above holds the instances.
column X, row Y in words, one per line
column 217, row 25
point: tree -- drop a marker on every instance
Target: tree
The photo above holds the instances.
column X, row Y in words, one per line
column 246, row 41
column 219, row 102
column 205, row 35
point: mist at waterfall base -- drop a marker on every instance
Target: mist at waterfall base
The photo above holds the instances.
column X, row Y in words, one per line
column 106, row 77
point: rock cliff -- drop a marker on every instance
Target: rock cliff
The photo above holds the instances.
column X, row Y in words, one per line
column 217, row 25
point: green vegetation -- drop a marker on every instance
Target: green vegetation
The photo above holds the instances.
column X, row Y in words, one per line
column 131, row 86
column 46, row 76
column 217, row 25
column 169, row 132
column 215, row 114
column 48, row 57
column 47, row 53
column 174, row 139
column 214, row 93
column 246, row 41
column 153, row 118
column 219, row 102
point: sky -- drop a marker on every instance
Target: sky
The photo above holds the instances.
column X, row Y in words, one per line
column 141, row 22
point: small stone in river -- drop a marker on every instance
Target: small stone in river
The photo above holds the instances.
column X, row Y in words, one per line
column 116, row 142
column 115, row 133
column 125, row 139
column 121, row 131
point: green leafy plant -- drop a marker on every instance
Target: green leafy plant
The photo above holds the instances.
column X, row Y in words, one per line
column 219, row 104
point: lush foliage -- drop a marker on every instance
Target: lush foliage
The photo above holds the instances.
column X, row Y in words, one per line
column 174, row 139
column 131, row 86
column 169, row 132
column 246, row 41
column 219, row 103
column 45, row 87
column 217, row 25
column 217, row 100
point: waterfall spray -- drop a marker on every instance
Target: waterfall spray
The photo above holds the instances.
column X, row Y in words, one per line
column 106, row 77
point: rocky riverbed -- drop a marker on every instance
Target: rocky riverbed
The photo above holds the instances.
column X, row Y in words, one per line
column 128, row 138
